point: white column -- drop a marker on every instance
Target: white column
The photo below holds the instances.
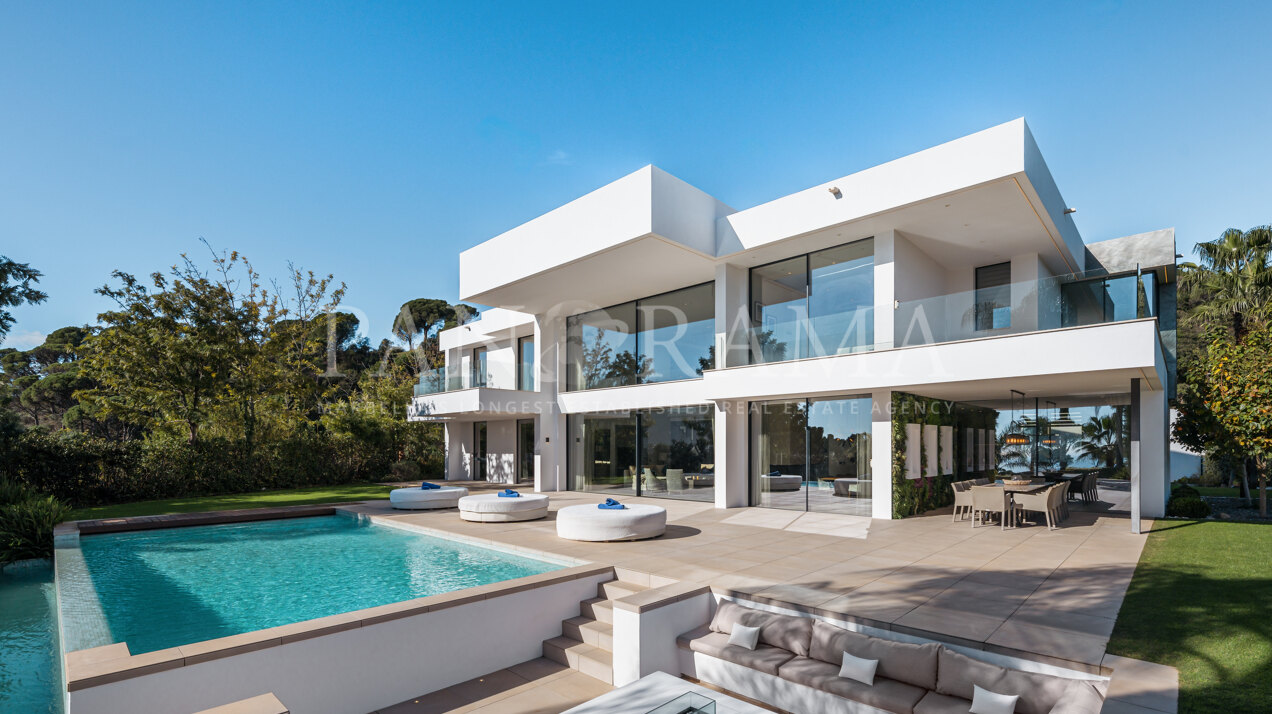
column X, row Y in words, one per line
column 1026, row 269
column 549, row 365
column 459, row 436
column 881, row 453
column 731, row 316
column 1154, row 472
column 884, row 289
column 731, row 469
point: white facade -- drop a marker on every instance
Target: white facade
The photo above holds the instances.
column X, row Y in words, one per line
column 954, row 274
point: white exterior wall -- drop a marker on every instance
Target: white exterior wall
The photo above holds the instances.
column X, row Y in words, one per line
column 317, row 676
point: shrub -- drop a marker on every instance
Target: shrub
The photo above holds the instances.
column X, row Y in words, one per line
column 1187, row 507
column 1183, row 490
column 405, row 471
column 26, row 528
column 12, row 492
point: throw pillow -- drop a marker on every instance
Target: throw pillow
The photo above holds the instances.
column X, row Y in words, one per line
column 987, row 702
column 858, row 668
column 744, row 636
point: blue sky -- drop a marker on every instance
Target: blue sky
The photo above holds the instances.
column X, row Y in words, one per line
column 377, row 140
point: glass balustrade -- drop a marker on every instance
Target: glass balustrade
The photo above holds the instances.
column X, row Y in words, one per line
column 1064, row 301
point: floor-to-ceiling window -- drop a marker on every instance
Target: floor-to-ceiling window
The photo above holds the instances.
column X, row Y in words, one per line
column 479, row 451
column 993, row 296
column 525, row 363
column 813, row 305
column 812, row 455
column 525, row 450
column 667, row 452
column 657, row 339
column 477, row 368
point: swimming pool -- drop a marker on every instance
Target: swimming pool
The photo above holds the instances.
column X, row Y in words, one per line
column 169, row 587
column 30, row 667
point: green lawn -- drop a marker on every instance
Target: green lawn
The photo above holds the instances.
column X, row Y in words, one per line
column 1230, row 491
column 258, row 499
column 1201, row 601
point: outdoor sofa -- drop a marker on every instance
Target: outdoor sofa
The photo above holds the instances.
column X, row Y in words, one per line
column 796, row 663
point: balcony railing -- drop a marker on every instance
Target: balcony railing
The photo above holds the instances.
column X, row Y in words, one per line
column 436, row 381
column 1064, row 301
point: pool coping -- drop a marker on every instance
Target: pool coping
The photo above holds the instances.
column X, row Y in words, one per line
column 109, row 663
column 112, row 663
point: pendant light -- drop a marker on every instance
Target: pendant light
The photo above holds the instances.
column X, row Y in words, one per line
column 1016, row 438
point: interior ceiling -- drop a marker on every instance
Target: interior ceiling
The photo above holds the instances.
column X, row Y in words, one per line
column 1066, row 390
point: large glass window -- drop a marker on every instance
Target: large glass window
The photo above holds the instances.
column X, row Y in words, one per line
column 813, row 305
column 812, row 455
column 657, row 339
column 601, row 348
column 667, row 452
column 1108, row 299
column 993, row 296
column 841, row 299
column 602, row 454
column 477, row 368
column 525, row 363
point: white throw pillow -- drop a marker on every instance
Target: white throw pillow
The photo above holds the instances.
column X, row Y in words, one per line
column 862, row 670
column 987, row 702
column 744, row 636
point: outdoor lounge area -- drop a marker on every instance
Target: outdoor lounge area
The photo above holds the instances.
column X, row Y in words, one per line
column 1031, row 593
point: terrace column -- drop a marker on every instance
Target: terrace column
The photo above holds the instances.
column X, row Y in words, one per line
column 731, row 316
column 732, row 482
column 1150, row 453
column 881, row 453
column 549, row 365
column 885, row 293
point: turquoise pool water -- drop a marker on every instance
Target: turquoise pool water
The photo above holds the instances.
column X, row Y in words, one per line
column 30, row 668
column 170, row 587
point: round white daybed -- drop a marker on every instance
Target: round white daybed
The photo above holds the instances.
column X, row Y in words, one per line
column 589, row 523
column 785, row 482
column 493, row 508
column 419, row 499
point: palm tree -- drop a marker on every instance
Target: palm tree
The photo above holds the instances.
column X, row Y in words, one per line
column 1235, row 277
column 1101, row 440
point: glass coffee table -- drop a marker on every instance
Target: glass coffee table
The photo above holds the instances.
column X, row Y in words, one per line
column 687, row 703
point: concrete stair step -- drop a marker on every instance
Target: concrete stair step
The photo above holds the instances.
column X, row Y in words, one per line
column 598, row 609
column 580, row 656
column 615, row 589
column 590, row 632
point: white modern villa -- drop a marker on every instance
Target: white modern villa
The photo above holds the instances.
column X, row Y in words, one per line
column 852, row 347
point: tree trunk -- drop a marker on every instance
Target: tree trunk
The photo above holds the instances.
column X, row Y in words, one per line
column 1263, row 488
column 1245, row 480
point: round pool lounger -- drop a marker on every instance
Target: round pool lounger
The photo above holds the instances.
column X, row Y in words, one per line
column 493, row 508
column 589, row 523
column 419, row 499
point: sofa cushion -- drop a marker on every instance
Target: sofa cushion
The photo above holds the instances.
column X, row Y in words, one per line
column 936, row 703
column 808, row 671
column 764, row 658
column 957, row 674
column 886, row 694
column 902, row 661
column 1081, row 697
column 744, row 637
column 785, row 631
column 1038, row 692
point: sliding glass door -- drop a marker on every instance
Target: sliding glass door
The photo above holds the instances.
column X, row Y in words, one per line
column 664, row 453
column 812, row 455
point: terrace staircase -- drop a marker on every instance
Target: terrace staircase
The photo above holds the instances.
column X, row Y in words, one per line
column 586, row 643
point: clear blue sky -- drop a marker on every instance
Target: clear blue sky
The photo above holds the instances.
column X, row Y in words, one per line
column 377, row 140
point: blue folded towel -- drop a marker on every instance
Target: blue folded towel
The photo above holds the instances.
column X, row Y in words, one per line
column 509, row 493
column 775, row 472
column 610, row 505
column 428, row 486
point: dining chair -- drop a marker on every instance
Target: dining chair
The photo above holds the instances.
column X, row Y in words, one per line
column 962, row 498
column 991, row 499
column 1036, row 502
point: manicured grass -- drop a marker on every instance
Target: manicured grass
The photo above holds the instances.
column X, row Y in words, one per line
column 1229, row 491
column 258, row 499
column 1201, row 601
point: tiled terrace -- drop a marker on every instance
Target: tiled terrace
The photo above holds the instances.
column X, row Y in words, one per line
column 1046, row 595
